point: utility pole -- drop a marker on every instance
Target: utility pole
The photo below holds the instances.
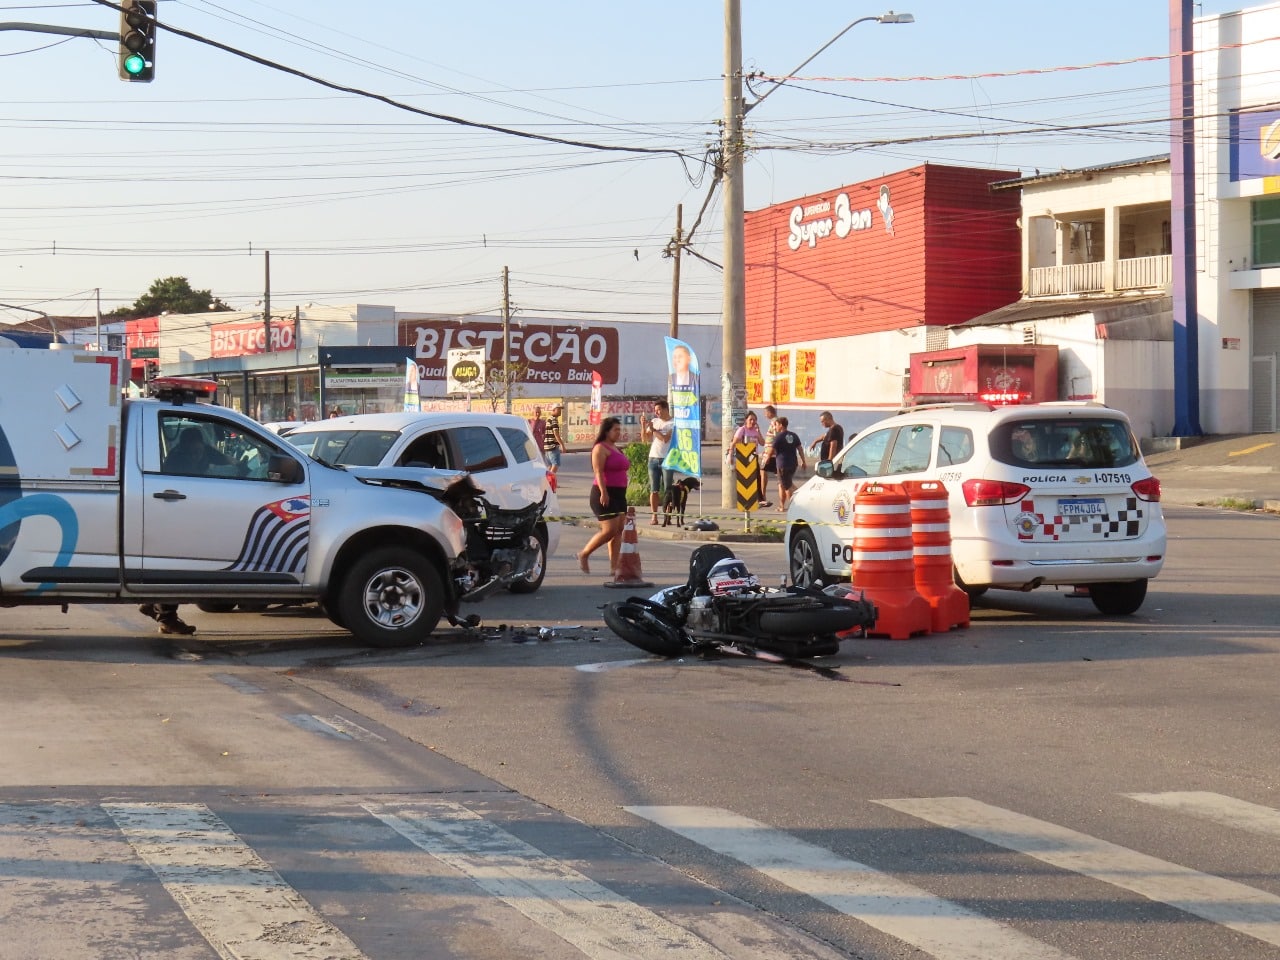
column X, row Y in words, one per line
column 266, row 302
column 97, row 315
column 506, row 341
column 733, row 372
column 676, row 244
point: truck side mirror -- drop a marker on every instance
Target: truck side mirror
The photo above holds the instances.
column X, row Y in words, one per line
column 284, row 469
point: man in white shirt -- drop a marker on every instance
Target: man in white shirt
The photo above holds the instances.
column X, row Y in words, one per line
column 657, row 430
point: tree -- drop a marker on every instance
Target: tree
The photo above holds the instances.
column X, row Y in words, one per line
column 495, row 382
column 171, row 295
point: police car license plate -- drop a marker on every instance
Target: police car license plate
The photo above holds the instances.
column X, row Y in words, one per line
column 1082, row 507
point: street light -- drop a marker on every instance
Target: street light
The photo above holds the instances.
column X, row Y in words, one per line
column 733, row 376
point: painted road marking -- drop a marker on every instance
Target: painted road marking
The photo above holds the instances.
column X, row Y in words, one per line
column 940, row 928
column 600, row 923
column 1243, row 909
column 340, row 728
column 241, row 906
column 1248, row 450
column 1227, row 811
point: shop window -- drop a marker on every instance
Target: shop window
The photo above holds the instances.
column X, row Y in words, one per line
column 1266, row 232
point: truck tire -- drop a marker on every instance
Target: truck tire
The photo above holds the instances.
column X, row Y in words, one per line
column 530, row 583
column 391, row 597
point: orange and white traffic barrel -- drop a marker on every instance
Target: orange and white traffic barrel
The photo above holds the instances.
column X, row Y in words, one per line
column 884, row 561
column 931, row 547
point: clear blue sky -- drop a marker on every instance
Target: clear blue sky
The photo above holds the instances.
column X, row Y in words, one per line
column 220, row 159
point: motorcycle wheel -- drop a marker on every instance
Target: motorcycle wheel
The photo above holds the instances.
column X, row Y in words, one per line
column 641, row 627
column 816, row 621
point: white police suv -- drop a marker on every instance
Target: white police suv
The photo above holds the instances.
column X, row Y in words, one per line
column 1041, row 494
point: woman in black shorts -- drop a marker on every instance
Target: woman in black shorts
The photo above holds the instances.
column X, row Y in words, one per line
column 610, row 469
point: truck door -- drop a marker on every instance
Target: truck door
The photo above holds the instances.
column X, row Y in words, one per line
column 210, row 515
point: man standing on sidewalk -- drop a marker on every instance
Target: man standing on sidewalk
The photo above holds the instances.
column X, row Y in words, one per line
column 657, row 430
column 552, row 442
column 829, row 444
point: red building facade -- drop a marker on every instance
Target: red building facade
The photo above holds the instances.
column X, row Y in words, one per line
column 932, row 245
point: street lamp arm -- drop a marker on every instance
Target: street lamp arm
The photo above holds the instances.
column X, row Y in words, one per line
column 48, row 319
column 889, row 17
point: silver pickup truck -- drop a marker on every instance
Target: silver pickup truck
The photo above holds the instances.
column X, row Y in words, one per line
column 166, row 499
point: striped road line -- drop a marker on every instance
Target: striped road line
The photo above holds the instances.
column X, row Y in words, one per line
column 1228, row 811
column 940, row 928
column 600, row 923
column 241, row 906
column 1226, row 902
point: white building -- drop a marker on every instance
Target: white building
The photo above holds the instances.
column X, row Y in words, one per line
column 1238, row 218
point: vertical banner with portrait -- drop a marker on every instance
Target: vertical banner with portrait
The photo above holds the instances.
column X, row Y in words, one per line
column 412, row 398
column 597, row 401
column 685, row 455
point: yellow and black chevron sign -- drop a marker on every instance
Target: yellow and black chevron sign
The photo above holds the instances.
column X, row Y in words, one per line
column 746, row 475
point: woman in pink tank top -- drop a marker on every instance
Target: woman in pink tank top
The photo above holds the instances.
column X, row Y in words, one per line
column 610, row 471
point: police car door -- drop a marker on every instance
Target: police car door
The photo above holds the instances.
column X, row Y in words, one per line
column 208, row 512
column 863, row 460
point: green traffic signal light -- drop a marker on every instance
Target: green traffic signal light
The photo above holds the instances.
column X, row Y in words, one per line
column 134, row 64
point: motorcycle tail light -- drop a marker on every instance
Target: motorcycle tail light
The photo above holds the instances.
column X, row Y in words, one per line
column 1148, row 489
column 993, row 493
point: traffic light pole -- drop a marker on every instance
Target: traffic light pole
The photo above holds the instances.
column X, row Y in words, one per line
column 61, row 31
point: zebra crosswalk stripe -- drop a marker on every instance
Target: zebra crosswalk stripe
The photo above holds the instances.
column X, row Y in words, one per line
column 237, row 902
column 602, row 924
column 945, row 930
column 1254, row 913
column 1228, row 811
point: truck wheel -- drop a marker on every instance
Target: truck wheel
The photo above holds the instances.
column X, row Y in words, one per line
column 1118, row 599
column 391, row 597
column 806, row 567
column 531, row 582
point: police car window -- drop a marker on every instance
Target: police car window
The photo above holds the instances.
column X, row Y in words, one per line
column 1088, row 442
column 955, row 445
column 205, row 447
column 912, row 449
column 520, row 444
column 478, row 449
column 866, row 456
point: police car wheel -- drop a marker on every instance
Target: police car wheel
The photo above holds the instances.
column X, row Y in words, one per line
column 803, row 560
column 533, row 580
column 1118, row 599
column 391, row 597
column 973, row 592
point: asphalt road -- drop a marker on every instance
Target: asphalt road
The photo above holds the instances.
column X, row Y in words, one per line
column 1047, row 783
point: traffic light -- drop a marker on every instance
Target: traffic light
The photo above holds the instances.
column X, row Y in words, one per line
column 137, row 40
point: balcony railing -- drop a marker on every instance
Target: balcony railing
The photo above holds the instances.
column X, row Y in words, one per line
column 1136, row 273
column 1069, row 278
column 1141, row 272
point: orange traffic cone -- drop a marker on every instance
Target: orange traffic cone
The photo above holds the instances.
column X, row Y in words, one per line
column 629, row 573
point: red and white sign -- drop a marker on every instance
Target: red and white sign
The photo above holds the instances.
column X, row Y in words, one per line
column 250, row 336
column 545, row 353
column 597, row 382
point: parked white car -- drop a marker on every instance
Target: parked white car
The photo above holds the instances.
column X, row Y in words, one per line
column 497, row 449
column 1042, row 494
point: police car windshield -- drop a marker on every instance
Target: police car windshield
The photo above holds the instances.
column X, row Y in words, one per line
column 1069, row 442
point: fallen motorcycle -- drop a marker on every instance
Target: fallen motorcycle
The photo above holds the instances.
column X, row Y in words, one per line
column 724, row 608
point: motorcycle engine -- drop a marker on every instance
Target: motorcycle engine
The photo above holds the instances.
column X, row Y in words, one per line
column 702, row 615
